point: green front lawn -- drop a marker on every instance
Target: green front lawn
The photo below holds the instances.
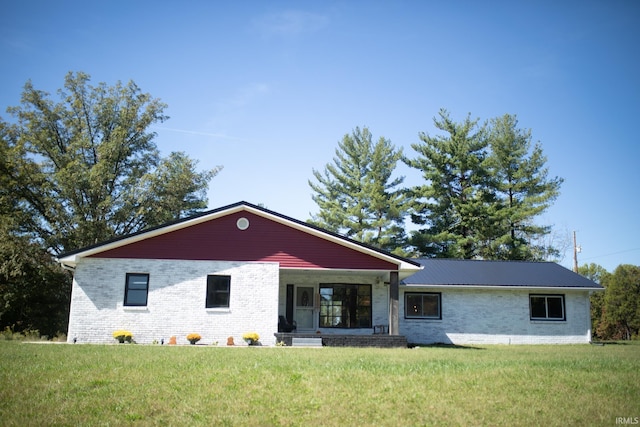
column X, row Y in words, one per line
column 60, row 384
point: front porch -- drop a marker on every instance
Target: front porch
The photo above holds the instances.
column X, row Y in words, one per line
column 346, row 340
column 356, row 308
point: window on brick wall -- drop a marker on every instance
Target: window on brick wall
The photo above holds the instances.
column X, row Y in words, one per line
column 421, row 305
column 218, row 289
column 546, row 307
column 136, row 289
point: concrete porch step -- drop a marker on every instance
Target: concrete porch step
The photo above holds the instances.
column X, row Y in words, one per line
column 306, row 342
column 340, row 340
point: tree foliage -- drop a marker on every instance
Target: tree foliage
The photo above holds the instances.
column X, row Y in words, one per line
column 621, row 307
column 75, row 171
column 34, row 290
column 357, row 194
column 615, row 313
column 87, row 168
column 523, row 191
column 484, row 188
column 599, row 275
column 453, row 204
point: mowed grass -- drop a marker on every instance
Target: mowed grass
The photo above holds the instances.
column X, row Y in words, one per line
column 114, row 385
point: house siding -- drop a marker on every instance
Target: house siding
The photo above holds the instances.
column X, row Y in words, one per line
column 265, row 240
column 485, row 316
column 176, row 301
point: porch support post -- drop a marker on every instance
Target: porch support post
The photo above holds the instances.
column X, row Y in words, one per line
column 394, row 293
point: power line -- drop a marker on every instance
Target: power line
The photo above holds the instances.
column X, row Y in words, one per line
column 612, row 253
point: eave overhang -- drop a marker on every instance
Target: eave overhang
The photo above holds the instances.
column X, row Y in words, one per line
column 553, row 288
column 405, row 266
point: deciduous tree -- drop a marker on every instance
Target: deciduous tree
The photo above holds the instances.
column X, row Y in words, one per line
column 621, row 311
column 89, row 168
column 76, row 171
column 599, row 275
column 34, row 291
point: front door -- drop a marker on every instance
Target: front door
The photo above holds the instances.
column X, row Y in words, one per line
column 304, row 308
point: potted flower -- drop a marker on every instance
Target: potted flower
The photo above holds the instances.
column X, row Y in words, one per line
column 194, row 338
column 251, row 338
column 123, row 336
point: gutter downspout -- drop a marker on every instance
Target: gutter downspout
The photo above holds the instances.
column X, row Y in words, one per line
column 66, row 267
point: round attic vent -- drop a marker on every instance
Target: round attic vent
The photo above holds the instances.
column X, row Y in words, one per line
column 242, row 223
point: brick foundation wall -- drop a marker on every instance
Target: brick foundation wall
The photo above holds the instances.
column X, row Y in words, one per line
column 336, row 340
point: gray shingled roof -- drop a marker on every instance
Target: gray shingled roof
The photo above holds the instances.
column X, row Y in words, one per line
column 457, row 272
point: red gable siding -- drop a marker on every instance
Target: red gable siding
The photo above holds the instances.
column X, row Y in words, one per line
column 264, row 240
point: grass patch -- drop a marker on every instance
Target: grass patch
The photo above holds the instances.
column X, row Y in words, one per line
column 196, row 385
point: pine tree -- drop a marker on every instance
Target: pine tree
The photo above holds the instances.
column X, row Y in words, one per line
column 454, row 203
column 523, row 190
column 357, row 195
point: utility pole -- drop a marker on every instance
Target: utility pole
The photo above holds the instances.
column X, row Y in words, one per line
column 576, row 249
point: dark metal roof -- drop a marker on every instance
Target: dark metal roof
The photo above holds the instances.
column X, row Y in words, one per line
column 458, row 272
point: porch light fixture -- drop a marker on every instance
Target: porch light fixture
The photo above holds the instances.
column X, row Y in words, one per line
column 242, row 223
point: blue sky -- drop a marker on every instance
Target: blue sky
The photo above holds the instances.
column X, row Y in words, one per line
column 267, row 89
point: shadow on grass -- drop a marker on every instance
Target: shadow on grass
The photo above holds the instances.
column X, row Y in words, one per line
column 602, row 343
column 443, row 345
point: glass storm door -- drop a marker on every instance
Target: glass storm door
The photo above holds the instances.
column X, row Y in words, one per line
column 304, row 308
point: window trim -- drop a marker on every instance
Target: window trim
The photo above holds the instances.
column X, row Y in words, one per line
column 212, row 306
column 126, row 303
column 438, row 317
column 546, row 306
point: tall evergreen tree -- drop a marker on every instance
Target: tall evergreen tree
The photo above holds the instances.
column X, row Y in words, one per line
column 358, row 196
column 454, row 203
column 524, row 191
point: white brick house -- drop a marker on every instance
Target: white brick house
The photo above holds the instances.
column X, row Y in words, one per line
column 239, row 268
column 176, row 300
column 229, row 271
column 496, row 302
